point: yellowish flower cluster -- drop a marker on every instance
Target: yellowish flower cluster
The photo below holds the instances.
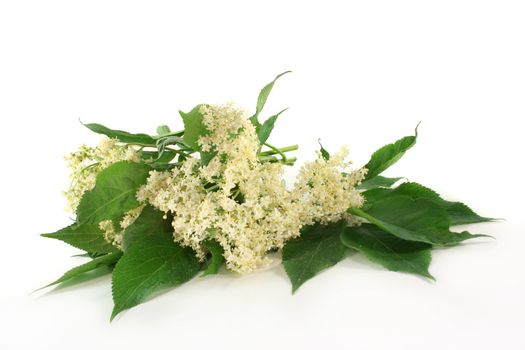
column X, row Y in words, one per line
column 243, row 203
column 114, row 236
column 325, row 191
column 233, row 137
column 87, row 162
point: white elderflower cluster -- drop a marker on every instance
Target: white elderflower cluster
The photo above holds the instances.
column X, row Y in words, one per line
column 326, row 191
column 232, row 136
column 241, row 202
column 87, row 162
column 114, row 235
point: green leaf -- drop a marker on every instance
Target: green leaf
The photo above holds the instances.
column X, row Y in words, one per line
column 266, row 128
column 104, row 260
column 166, row 140
column 324, row 153
column 387, row 155
column 86, row 237
column 150, row 222
column 114, row 192
column 458, row 212
column 263, row 97
column 378, row 182
column 160, row 158
column 418, row 220
column 151, row 263
column 163, row 130
column 217, row 258
column 193, row 127
column 318, row 248
column 206, row 157
column 393, row 253
column 122, row 136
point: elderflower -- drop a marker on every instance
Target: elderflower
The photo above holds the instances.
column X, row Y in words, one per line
column 325, row 191
column 241, row 202
column 114, row 236
column 86, row 163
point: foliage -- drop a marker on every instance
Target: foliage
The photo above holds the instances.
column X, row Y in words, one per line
column 397, row 227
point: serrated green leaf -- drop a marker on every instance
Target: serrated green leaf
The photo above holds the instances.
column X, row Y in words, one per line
column 264, row 131
column 263, row 97
column 419, row 220
column 123, row 136
column 461, row 214
column 104, row 260
column 150, row 222
column 378, row 182
column 86, row 237
column 458, row 212
column 318, row 248
column 387, row 155
column 114, row 192
column 151, row 263
column 193, row 127
column 216, row 260
column 393, row 253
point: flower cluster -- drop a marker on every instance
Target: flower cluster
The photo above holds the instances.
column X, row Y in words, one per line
column 87, row 162
column 244, row 203
column 325, row 191
column 214, row 194
column 113, row 231
column 234, row 198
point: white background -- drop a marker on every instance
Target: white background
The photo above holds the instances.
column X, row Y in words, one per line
column 365, row 73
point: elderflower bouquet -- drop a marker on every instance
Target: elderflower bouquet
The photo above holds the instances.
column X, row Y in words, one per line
column 159, row 210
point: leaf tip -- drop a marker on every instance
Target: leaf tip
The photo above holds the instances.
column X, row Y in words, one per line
column 282, row 111
column 417, row 127
column 297, row 284
column 39, row 289
column 487, row 236
column 283, row 73
column 114, row 314
column 493, row 219
column 471, row 236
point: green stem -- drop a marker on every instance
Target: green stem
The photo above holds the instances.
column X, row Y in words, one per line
column 176, row 133
column 290, row 161
column 283, row 156
column 275, row 150
column 361, row 213
column 268, row 159
column 272, row 159
column 211, row 188
column 180, row 151
column 165, row 166
column 237, row 193
column 280, row 151
column 143, row 145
